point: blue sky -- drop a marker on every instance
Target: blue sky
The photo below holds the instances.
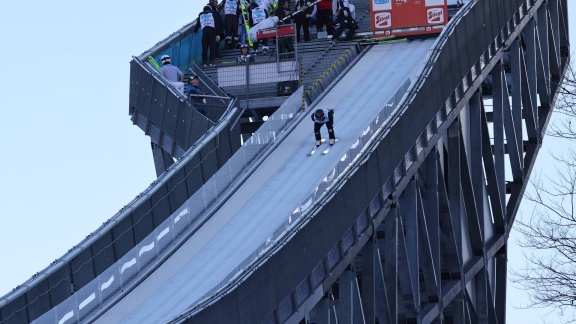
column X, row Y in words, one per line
column 71, row 157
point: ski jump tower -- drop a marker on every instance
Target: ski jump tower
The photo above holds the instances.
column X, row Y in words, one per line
column 418, row 232
column 414, row 231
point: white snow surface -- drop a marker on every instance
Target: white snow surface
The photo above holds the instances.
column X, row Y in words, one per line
column 270, row 195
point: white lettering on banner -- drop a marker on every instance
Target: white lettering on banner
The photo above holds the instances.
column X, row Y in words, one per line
column 146, row 248
column 87, row 301
column 66, row 317
column 127, row 265
column 182, row 214
column 107, row 283
column 383, row 20
column 435, row 3
column 435, row 15
column 163, row 233
column 379, row 5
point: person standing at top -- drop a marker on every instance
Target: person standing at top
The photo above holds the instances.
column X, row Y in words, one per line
column 282, row 12
column 219, row 24
column 208, row 24
column 172, row 73
column 232, row 11
column 303, row 18
column 324, row 16
column 323, row 117
column 258, row 15
column 264, row 4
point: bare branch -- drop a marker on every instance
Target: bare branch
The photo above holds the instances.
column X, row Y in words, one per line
column 549, row 232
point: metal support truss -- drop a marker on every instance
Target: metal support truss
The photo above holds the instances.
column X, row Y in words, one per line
column 436, row 250
column 417, row 233
column 162, row 160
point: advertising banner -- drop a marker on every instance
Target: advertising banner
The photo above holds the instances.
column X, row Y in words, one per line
column 408, row 17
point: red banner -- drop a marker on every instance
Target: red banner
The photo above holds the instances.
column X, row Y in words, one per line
column 284, row 30
column 408, row 17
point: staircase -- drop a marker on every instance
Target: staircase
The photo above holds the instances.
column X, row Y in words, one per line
column 322, row 60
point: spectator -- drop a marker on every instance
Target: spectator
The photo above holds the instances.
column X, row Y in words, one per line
column 324, row 16
column 172, row 73
column 282, row 12
column 232, row 12
column 244, row 56
column 208, row 24
column 219, row 24
column 303, row 18
column 264, row 4
column 345, row 20
column 257, row 15
column 195, row 92
column 352, row 10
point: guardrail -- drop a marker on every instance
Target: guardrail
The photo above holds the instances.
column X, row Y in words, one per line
column 134, row 266
column 368, row 141
column 332, row 178
column 71, row 273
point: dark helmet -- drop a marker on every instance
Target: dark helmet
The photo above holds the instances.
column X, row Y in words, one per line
column 207, row 8
column 319, row 113
column 192, row 78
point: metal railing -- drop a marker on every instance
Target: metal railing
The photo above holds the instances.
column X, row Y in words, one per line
column 102, row 292
column 332, row 178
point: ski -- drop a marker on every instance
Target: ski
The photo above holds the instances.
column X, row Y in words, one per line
column 299, row 11
column 329, row 147
column 153, row 62
column 315, row 148
column 246, row 17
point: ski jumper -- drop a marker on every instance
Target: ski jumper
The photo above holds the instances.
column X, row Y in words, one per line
column 231, row 13
column 324, row 16
column 207, row 22
column 327, row 119
column 259, row 15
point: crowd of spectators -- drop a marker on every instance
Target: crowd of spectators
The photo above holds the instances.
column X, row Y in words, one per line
column 230, row 20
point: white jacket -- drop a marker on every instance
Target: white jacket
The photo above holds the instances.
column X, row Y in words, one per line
column 266, row 23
